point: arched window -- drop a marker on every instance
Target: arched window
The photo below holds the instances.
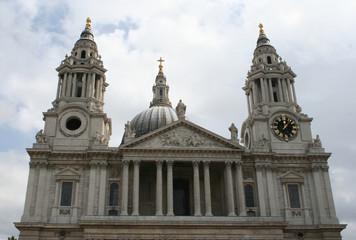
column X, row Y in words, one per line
column 249, row 198
column 83, row 54
column 269, row 60
column 114, row 194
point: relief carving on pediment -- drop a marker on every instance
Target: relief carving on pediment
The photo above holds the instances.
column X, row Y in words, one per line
column 182, row 137
column 185, row 138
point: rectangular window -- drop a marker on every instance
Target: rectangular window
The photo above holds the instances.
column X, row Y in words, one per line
column 66, row 196
column 293, row 192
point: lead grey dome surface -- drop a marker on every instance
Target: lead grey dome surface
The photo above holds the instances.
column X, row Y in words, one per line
column 151, row 119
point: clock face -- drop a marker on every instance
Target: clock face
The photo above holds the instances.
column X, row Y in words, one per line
column 285, row 128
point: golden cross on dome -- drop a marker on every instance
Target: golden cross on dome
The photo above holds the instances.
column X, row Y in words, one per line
column 160, row 64
column 88, row 26
column 261, row 29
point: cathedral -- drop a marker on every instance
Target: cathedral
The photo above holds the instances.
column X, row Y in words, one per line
column 171, row 178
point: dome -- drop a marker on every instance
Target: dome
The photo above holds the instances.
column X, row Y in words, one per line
column 151, row 119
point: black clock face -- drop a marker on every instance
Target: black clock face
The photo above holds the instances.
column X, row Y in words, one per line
column 285, row 128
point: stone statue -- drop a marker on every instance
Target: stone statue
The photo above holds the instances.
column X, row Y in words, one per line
column 128, row 132
column 317, row 142
column 180, row 109
column 41, row 137
column 100, row 138
column 233, row 130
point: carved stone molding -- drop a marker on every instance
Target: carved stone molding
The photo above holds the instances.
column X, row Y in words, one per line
column 169, row 162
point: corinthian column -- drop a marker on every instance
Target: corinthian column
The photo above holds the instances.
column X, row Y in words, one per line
column 125, row 187
column 170, row 188
column 207, row 189
column 159, row 189
column 229, row 190
column 240, row 189
column 197, row 210
column 136, row 181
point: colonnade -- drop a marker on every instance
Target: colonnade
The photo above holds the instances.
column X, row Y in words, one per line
column 92, row 85
column 231, row 194
column 284, row 88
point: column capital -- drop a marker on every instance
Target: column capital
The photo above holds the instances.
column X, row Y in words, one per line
column 169, row 162
column 125, row 162
column 159, row 162
column 206, row 162
column 136, row 162
column 228, row 163
column 238, row 163
column 196, row 163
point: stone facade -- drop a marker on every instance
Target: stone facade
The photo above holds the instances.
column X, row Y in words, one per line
column 175, row 179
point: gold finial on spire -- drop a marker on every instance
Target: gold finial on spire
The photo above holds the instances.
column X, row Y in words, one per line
column 88, row 26
column 261, row 29
column 160, row 64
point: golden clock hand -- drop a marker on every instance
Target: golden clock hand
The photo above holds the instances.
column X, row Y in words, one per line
column 287, row 124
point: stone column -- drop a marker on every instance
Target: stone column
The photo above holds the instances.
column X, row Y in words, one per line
column 248, row 103
column 329, row 194
column 59, row 86
column 102, row 188
column 197, row 210
column 254, row 93
column 263, row 89
column 306, row 209
column 273, row 201
column 92, row 86
column 270, row 89
column 280, row 90
column 261, row 195
column 69, row 84
column 84, row 85
column 40, row 200
column 285, row 90
column 91, row 190
column 159, row 188
column 294, row 95
column 30, row 191
column 240, row 189
column 229, row 189
column 319, row 194
column 170, row 188
column 207, row 189
column 96, row 90
column 64, row 85
column 289, row 90
column 136, row 187
column 125, row 187
column 100, row 93
column 74, row 87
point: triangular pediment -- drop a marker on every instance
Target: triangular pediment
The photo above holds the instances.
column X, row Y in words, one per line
column 182, row 134
column 292, row 176
column 68, row 173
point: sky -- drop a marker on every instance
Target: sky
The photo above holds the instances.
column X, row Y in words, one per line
column 207, row 46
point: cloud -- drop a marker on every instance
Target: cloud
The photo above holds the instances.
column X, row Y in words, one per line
column 13, row 181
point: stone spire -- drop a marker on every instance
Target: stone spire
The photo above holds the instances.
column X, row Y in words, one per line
column 82, row 74
column 160, row 89
column 270, row 82
column 79, row 104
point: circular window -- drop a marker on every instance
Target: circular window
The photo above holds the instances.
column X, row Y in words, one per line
column 73, row 123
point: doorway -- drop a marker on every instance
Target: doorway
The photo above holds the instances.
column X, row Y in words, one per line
column 181, row 203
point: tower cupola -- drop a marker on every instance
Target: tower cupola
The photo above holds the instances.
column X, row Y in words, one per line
column 160, row 89
column 82, row 75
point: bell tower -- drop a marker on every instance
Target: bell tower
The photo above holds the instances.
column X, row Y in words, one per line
column 77, row 120
column 275, row 121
